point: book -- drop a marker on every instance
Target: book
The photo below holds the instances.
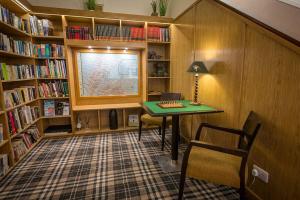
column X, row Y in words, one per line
column 78, row 32
column 4, row 167
column 19, row 96
column 30, row 136
column 49, row 50
column 158, row 34
column 16, row 72
column 52, row 69
column 11, row 45
column 19, row 148
column 11, row 18
column 53, row 89
column 41, row 27
column 107, row 32
column 49, row 108
column 21, row 117
column 131, row 33
column 1, row 133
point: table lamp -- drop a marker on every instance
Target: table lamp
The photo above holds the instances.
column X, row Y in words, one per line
column 197, row 67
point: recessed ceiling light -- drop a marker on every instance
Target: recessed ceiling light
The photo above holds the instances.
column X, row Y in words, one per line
column 89, row 47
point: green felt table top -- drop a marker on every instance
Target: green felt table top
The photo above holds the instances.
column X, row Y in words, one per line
column 154, row 109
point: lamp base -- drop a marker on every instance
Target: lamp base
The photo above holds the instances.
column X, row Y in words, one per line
column 195, row 103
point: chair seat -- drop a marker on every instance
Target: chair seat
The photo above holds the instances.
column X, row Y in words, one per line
column 149, row 120
column 214, row 166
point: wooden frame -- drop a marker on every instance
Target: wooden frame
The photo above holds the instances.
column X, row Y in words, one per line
column 76, row 80
column 241, row 151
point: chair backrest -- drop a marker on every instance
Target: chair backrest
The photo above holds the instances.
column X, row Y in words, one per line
column 168, row 96
column 250, row 130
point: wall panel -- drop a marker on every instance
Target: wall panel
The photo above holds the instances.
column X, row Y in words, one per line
column 181, row 57
column 224, row 56
column 250, row 70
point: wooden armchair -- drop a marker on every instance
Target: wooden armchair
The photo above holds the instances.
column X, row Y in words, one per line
column 226, row 166
column 161, row 122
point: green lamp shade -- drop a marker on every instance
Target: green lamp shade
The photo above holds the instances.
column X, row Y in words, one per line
column 197, row 67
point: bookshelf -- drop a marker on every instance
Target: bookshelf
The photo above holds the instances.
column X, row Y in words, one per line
column 126, row 33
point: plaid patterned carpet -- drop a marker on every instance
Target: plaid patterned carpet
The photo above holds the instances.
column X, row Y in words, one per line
column 107, row 166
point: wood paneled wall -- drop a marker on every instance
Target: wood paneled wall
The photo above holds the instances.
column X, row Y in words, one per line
column 250, row 69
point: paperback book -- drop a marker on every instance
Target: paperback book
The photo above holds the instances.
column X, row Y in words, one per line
column 53, row 89
column 49, row 50
column 52, row 69
column 41, row 27
column 16, row 72
column 21, row 117
column 12, row 19
column 11, row 45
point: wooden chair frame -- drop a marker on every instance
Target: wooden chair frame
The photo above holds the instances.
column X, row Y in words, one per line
column 243, row 153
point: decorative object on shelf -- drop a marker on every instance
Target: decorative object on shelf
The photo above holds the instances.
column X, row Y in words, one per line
column 154, row 8
column 154, row 55
column 113, row 119
column 78, row 125
column 163, row 5
column 160, row 70
column 91, row 4
column 197, row 67
column 133, row 120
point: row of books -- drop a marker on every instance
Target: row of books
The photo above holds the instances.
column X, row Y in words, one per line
column 78, row 32
column 52, row 69
column 16, row 72
column 12, row 19
column 4, row 167
column 133, row 33
column 104, row 31
column 29, row 137
column 49, row 50
column 158, row 34
column 21, row 117
column 11, row 45
column 55, row 108
column 19, row 96
column 41, row 27
column 53, row 89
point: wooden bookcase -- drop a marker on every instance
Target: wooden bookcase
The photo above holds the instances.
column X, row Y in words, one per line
column 158, row 65
column 96, row 114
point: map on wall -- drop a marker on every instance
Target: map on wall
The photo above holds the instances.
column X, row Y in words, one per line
column 108, row 74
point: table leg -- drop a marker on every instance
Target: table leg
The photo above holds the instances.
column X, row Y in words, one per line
column 175, row 132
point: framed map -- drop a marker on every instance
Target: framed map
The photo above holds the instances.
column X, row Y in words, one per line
column 107, row 73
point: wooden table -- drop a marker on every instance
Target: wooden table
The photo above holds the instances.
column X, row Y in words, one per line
column 152, row 108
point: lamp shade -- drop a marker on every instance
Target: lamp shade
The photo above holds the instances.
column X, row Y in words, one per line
column 197, row 67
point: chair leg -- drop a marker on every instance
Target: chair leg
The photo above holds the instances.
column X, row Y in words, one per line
column 140, row 129
column 163, row 133
column 242, row 188
column 159, row 130
column 183, row 172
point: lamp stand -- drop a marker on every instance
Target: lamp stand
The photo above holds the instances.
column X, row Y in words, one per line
column 195, row 102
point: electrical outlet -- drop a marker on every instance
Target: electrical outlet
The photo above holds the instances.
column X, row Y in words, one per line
column 262, row 174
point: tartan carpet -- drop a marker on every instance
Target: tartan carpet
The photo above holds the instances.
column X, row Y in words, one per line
column 106, row 166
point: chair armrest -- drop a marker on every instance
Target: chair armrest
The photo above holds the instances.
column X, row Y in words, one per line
column 236, row 152
column 224, row 129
